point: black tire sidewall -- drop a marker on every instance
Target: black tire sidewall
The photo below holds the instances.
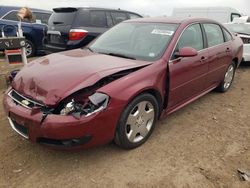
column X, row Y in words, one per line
column 120, row 137
column 32, row 46
column 221, row 86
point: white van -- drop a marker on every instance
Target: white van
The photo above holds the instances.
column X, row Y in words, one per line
column 220, row 14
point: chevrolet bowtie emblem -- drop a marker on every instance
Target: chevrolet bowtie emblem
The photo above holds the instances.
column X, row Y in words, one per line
column 25, row 102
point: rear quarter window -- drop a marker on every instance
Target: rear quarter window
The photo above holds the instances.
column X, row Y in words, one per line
column 228, row 36
column 133, row 16
column 98, row 18
column 118, row 17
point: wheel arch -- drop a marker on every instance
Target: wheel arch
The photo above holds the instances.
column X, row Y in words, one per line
column 30, row 38
column 236, row 61
column 155, row 93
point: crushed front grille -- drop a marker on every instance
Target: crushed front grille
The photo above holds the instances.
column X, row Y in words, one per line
column 23, row 101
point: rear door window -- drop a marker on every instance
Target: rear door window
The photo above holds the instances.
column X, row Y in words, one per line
column 11, row 16
column 214, row 34
column 118, row 17
column 41, row 18
column 98, row 18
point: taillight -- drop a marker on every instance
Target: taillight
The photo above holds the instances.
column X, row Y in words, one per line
column 77, row 34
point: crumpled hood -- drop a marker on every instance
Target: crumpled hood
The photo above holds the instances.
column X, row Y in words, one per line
column 54, row 77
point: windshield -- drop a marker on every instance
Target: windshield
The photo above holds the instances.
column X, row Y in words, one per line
column 239, row 28
column 143, row 41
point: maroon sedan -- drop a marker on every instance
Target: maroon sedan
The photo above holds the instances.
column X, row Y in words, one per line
column 121, row 84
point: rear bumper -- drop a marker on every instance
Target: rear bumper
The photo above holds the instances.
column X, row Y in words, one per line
column 53, row 49
column 62, row 132
column 70, row 45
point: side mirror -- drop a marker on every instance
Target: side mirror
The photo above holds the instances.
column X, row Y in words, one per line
column 186, row 52
column 25, row 13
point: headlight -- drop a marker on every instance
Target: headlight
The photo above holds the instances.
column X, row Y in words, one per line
column 70, row 107
column 97, row 102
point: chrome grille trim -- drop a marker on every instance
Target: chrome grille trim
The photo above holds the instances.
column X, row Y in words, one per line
column 14, row 128
column 25, row 98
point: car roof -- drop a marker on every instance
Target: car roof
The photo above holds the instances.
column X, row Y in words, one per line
column 95, row 8
column 231, row 23
column 172, row 20
column 6, row 9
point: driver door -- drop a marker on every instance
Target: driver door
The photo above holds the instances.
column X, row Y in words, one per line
column 187, row 74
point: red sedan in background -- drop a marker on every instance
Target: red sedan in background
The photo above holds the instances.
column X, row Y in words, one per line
column 122, row 83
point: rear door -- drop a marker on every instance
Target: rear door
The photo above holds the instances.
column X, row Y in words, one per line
column 220, row 53
column 188, row 75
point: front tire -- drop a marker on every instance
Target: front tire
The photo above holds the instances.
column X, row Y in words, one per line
column 228, row 78
column 137, row 121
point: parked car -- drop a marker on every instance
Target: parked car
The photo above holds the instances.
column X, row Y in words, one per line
column 221, row 14
column 33, row 31
column 242, row 29
column 121, row 84
column 71, row 28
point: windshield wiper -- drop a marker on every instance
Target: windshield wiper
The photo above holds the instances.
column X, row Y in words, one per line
column 90, row 49
column 119, row 55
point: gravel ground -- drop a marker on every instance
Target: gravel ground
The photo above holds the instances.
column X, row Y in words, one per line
column 201, row 145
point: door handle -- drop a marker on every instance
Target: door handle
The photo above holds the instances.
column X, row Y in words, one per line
column 203, row 59
column 228, row 50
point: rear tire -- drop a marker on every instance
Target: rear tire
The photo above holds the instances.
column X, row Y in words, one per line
column 228, row 78
column 137, row 122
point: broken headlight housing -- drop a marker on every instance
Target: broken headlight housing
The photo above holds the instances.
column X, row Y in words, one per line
column 96, row 103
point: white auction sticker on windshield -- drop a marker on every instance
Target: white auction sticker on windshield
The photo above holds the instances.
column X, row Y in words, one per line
column 162, row 32
column 151, row 54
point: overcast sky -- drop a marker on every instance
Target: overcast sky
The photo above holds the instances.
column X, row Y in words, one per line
column 145, row 7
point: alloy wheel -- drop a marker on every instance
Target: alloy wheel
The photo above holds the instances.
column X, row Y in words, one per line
column 29, row 49
column 229, row 77
column 140, row 121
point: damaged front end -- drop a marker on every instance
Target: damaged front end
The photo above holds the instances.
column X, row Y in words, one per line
column 96, row 102
column 87, row 101
column 84, row 102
